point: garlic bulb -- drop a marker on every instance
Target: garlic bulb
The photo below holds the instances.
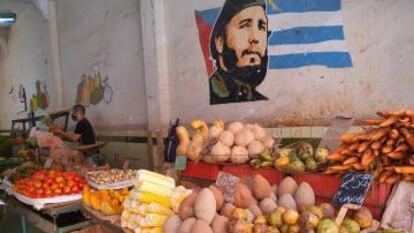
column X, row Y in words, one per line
column 239, row 155
column 220, row 152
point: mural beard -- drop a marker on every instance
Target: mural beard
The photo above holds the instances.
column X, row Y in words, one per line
column 252, row 75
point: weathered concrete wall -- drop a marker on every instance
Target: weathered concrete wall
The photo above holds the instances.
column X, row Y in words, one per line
column 378, row 35
column 26, row 58
column 106, row 36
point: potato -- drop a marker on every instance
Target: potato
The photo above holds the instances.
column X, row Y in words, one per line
column 186, row 209
column 218, row 195
column 219, row 224
column 227, row 209
column 187, row 225
column 172, row 224
column 201, row 226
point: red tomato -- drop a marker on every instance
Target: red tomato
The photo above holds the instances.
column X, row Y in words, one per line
column 57, row 191
column 45, row 185
column 38, row 184
column 59, row 179
column 54, row 186
column 71, row 183
column 81, row 185
column 40, row 191
column 39, row 175
column 66, row 190
column 61, row 185
column 74, row 189
column 48, row 180
column 48, row 192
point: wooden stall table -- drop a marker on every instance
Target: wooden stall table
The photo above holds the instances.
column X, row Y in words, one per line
column 40, row 218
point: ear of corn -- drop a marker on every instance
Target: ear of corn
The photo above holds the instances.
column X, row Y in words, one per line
column 155, row 178
column 151, row 220
column 153, row 188
column 149, row 197
column 156, row 208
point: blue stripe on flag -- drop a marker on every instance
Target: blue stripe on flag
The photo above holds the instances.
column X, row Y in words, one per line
column 306, row 35
column 284, row 6
column 209, row 15
column 328, row 59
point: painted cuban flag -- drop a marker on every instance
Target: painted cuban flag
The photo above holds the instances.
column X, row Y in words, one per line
column 303, row 33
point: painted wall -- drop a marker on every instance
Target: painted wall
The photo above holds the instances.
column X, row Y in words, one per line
column 26, row 58
column 106, row 36
column 378, row 35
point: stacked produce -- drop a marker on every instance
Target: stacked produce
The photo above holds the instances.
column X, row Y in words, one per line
column 262, row 208
column 44, row 183
column 108, row 202
column 236, row 142
column 299, row 158
column 153, row 198
column 385, row 149
column 111, row 176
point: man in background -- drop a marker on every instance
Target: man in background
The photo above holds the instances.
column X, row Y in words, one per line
column 83, row 133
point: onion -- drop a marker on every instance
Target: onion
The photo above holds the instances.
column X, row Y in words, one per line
column 259, row 132
column 255, row 148
column 214, row 132
column 235, row 127
column 239, row 155
column 221, row 152
column 268, row 142
column 244, row 138
column 226, row 137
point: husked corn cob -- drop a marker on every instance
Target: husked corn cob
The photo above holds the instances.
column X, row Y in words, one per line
column 133, row 222
column 155, row 178
column 150, row 187
column 145, row 197
column 157, row 208
column 151, row 220
column 148, row 230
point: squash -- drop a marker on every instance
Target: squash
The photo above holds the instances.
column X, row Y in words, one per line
column 304, row 195
column 205, row 205
column 261, row 187
column 287, row 201
column 183, row 139
column 267, row 205
column 287, row 185
column 218, row 195
column 201, row 226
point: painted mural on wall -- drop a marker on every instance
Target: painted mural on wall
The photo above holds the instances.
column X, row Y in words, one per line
column 18, row 99
column 93, row 90
column 244, row 39
column 40, row 100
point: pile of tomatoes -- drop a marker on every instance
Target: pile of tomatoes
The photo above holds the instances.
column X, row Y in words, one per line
column 44, row 183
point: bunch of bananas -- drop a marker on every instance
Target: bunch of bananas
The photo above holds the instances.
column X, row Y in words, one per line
column 265, row 159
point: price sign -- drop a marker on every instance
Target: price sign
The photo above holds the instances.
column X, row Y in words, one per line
column 228, row 184
column 353, row 189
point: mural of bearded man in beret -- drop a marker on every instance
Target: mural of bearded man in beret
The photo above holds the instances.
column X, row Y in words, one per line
column 238, row 44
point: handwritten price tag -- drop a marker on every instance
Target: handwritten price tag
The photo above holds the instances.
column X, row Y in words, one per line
column 228, row 184
column 353, row 189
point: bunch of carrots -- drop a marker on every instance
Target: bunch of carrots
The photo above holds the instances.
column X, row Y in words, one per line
column 386, row 148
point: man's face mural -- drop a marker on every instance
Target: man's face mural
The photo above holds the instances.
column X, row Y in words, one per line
column 239, row 47
column 246, row 35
